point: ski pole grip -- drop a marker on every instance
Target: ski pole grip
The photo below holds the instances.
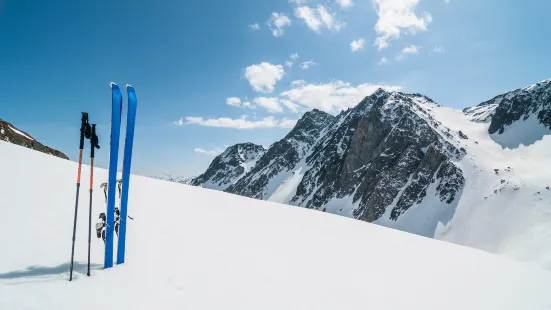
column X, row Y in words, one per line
column 83, row 122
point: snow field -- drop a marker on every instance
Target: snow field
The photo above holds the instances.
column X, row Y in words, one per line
column 194, row 248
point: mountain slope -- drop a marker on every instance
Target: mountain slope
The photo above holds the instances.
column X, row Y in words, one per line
column 228, row 167
column 282, row 158
column 406, row 162
column 192, row 248
column 10, row 133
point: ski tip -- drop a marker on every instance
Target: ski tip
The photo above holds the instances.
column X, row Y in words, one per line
column 113, row 84
column 128, row 85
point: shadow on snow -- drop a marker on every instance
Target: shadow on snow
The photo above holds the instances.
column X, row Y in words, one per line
column 37, row 271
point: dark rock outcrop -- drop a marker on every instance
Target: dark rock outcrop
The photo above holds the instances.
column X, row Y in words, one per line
column 384, row 148
column 283, row 155
column 521, row 104
column 10, row 133
column 228, row 167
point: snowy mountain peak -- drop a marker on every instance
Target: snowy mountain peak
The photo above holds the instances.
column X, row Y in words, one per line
column 518, row 117
column 403, row 161
column 228, row 167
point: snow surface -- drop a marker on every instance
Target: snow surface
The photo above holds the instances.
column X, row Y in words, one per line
column 522, row 132
column 194, row 248
column 20, row 133
column 505, row 213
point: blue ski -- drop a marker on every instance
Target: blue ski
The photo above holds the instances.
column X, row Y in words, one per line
column 128, row 143
column 116, row 107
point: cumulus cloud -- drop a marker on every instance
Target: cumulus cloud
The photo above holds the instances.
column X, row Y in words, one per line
column 277, row 22
column 213, row 152
column 307, row 64
column 289, row 64
column 396, row 16
column 291, row 106
column 357, row 45
column 264, row 76
column 412, row 49
column 240, row 123
column 318, row 18
column 294, row 56
column 271, row 105
column 236, row 102
column 254, row 27
column 331, row 97
column 345, row 3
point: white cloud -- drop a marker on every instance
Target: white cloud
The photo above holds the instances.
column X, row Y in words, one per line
column 439, row 49
column 412, row 49
column 357, row 45
column 395, row 16
column 240, row 123
column 277, row 22
column 331, row 97
column 289, row 64
column 254, row 27
column 271, row 105
column 264, row 76
column 447, row 1
column 287, row 123
column 179, row 122
column 307, row 64
column 383, row 61
column 298, row 1
column 345, row 3
column 293, row 107
column 233, row 101
column 294, row 56
column 318, row 18
column 236, row 102
column 214, row 152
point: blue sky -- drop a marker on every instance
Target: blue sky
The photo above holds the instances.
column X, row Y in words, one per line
column 233, row 65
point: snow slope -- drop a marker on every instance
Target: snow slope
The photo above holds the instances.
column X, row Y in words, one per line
column 194, row 248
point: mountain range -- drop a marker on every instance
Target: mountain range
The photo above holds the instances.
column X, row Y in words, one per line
column 478, row 177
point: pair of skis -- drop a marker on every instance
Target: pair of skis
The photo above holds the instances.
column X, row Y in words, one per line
column 116, row 115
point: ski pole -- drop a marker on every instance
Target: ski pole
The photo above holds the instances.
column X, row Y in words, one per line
column 84, row 131
column 94, row 143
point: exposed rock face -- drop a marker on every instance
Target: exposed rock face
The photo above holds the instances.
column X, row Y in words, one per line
column 383, row 149
column 282, row 156
column 521, row 104
column 228, row 167
column 391, row 152
column 10, row 133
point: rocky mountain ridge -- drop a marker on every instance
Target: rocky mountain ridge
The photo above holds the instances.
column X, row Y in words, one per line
column 479, row 177
column 11, row 134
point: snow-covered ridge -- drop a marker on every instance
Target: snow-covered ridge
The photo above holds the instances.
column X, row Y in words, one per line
column 404, row 161
column 230, row 166
column 176, row 179
column 192, row 248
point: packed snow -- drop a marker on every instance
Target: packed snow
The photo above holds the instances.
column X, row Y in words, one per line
column 194, row 248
